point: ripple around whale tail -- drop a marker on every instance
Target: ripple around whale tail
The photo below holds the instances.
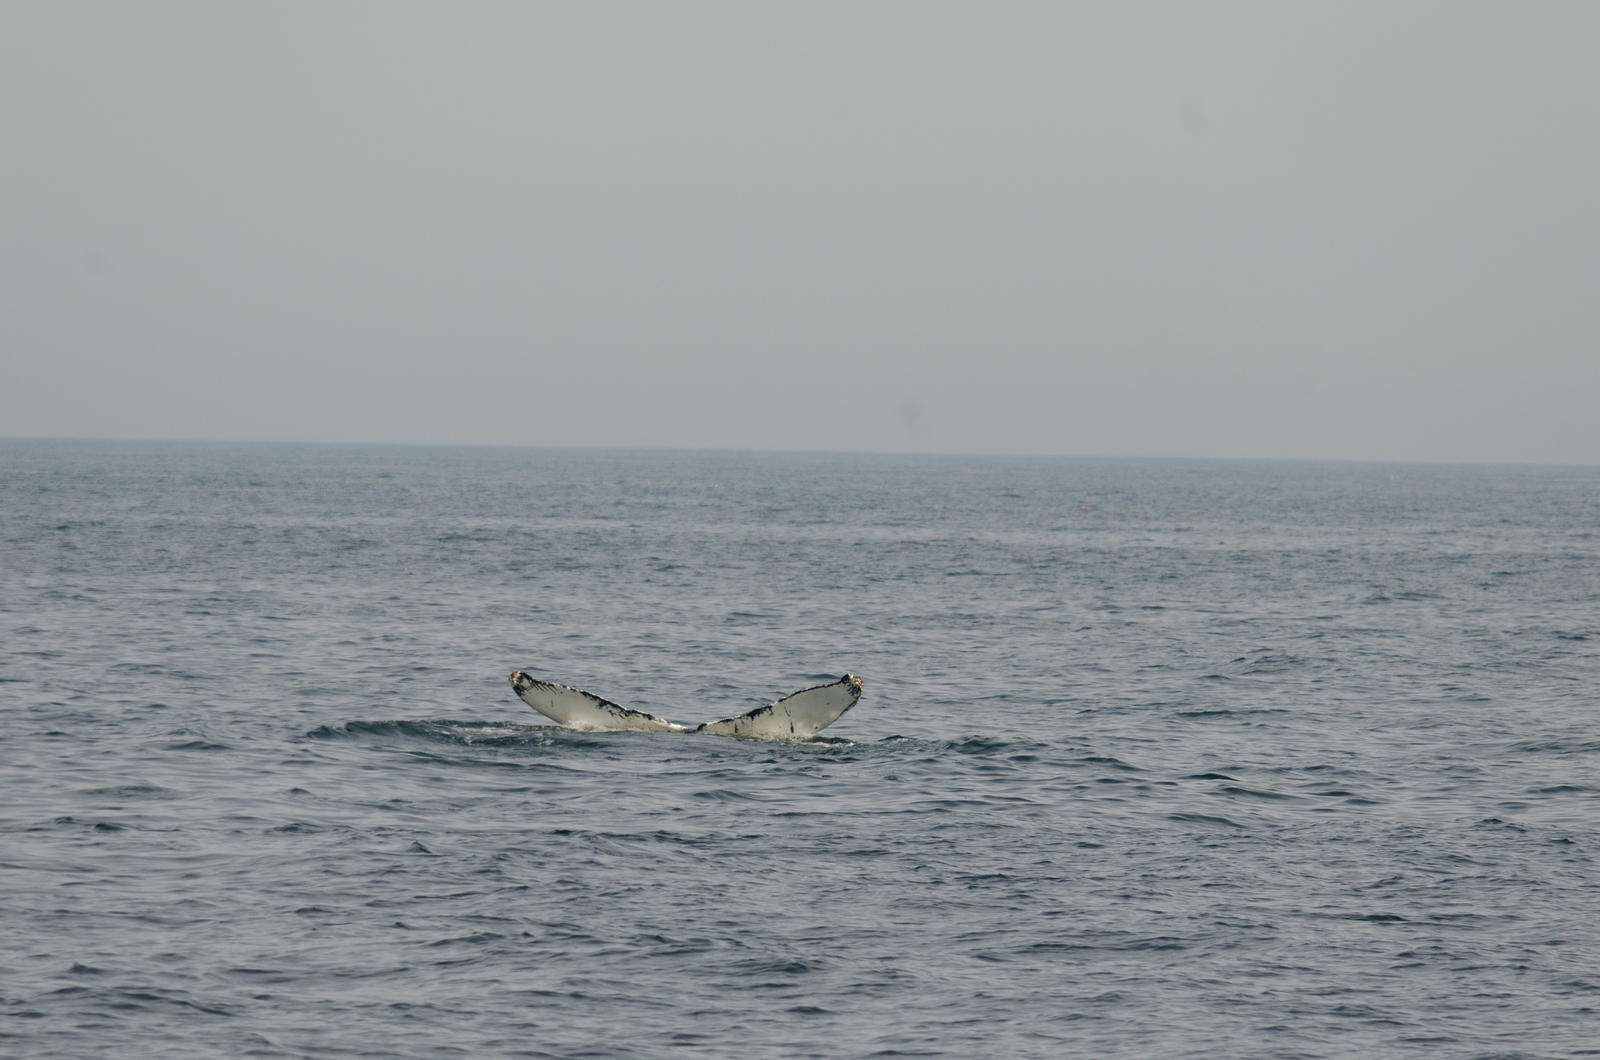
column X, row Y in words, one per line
column 795, row 717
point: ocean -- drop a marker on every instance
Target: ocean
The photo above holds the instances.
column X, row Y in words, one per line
column 1156, row 758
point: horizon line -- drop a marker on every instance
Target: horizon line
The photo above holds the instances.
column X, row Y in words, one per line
column 736, row 450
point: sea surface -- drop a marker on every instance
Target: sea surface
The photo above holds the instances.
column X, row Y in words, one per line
column 1155, row 758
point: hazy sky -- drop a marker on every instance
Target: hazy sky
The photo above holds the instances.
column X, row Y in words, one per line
column 1350, row 230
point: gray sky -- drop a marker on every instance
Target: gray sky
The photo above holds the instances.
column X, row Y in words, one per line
column 1350, row 230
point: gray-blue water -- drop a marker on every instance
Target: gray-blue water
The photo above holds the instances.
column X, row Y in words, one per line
column 1155, row 758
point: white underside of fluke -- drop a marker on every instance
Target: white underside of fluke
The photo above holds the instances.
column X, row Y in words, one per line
column 796, row 717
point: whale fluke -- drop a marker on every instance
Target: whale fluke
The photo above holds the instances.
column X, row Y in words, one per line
column 577, row 709
column 794, row 717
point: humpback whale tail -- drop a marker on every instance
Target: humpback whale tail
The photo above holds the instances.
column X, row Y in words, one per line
column 794, row 717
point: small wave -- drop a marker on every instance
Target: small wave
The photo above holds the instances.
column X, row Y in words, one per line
column 1251, row 793
column 1112, row 944
column 1269, row 662
column 1107, row 760
column 1224, row 712
column 761, row 968
column 145, row 1000
column 476, row 939
column 979, row 745
column 722, row 795
column 460, row 733
column 133, row 791
column 1204, row 818
column 1561, row 747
